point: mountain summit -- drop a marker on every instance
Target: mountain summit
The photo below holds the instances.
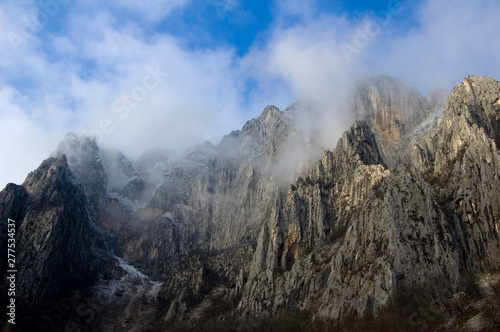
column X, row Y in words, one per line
column 395, row 226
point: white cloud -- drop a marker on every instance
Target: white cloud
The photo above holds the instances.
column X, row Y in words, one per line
column 452, row 39
column 309, row 57
column 147, row 10
column 20, row 146
column 16, row 25
column 296, row 9
column 54, row 83
column 95, row 63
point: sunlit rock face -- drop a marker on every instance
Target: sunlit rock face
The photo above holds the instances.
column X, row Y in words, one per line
column 270, row 220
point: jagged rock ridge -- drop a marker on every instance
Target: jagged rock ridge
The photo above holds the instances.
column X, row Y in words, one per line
column 408, row 194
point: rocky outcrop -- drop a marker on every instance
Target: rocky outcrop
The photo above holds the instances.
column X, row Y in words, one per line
column 349, row 235
column 56, row 244
column 396, row 114
column 260, row 224
column 83, row 158
column 346, row 236
column 393, row 110
column 461, row 160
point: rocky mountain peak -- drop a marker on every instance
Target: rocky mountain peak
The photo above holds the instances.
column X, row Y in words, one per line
column 52, row 173
column 78, row 150
column 56, row 240
column 407, row 196
column 478, row 98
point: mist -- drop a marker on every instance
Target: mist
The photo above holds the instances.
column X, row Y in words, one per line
column 88, row 70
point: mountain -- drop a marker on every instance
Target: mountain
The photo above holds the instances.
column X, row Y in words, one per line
column 393, row 226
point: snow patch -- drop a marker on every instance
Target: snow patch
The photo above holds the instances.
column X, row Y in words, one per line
column 133, row 283
column 168, row 215
column 132, row 271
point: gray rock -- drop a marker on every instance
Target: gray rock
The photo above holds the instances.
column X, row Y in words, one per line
column 56, row 244
column 262, row 224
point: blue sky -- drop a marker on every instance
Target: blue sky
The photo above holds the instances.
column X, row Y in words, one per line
column 151, row 74
column 239, row 23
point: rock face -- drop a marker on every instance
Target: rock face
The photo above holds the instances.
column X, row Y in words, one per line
column 396, row 114
column 56, row 243
column 392, row 108
column 252, row 228
column 461, row 160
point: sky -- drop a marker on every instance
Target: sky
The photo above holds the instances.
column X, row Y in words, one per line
column 152, row 74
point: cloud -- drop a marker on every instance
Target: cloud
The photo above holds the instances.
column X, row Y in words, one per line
column 76, row 81
column 309, row 58
column 430, row 45
column 293, row 9
column 20, row 146
column 72, row 73
column 450, row 40
column 147, row 11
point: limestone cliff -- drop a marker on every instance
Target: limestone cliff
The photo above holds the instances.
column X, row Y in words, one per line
column 256, row 227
